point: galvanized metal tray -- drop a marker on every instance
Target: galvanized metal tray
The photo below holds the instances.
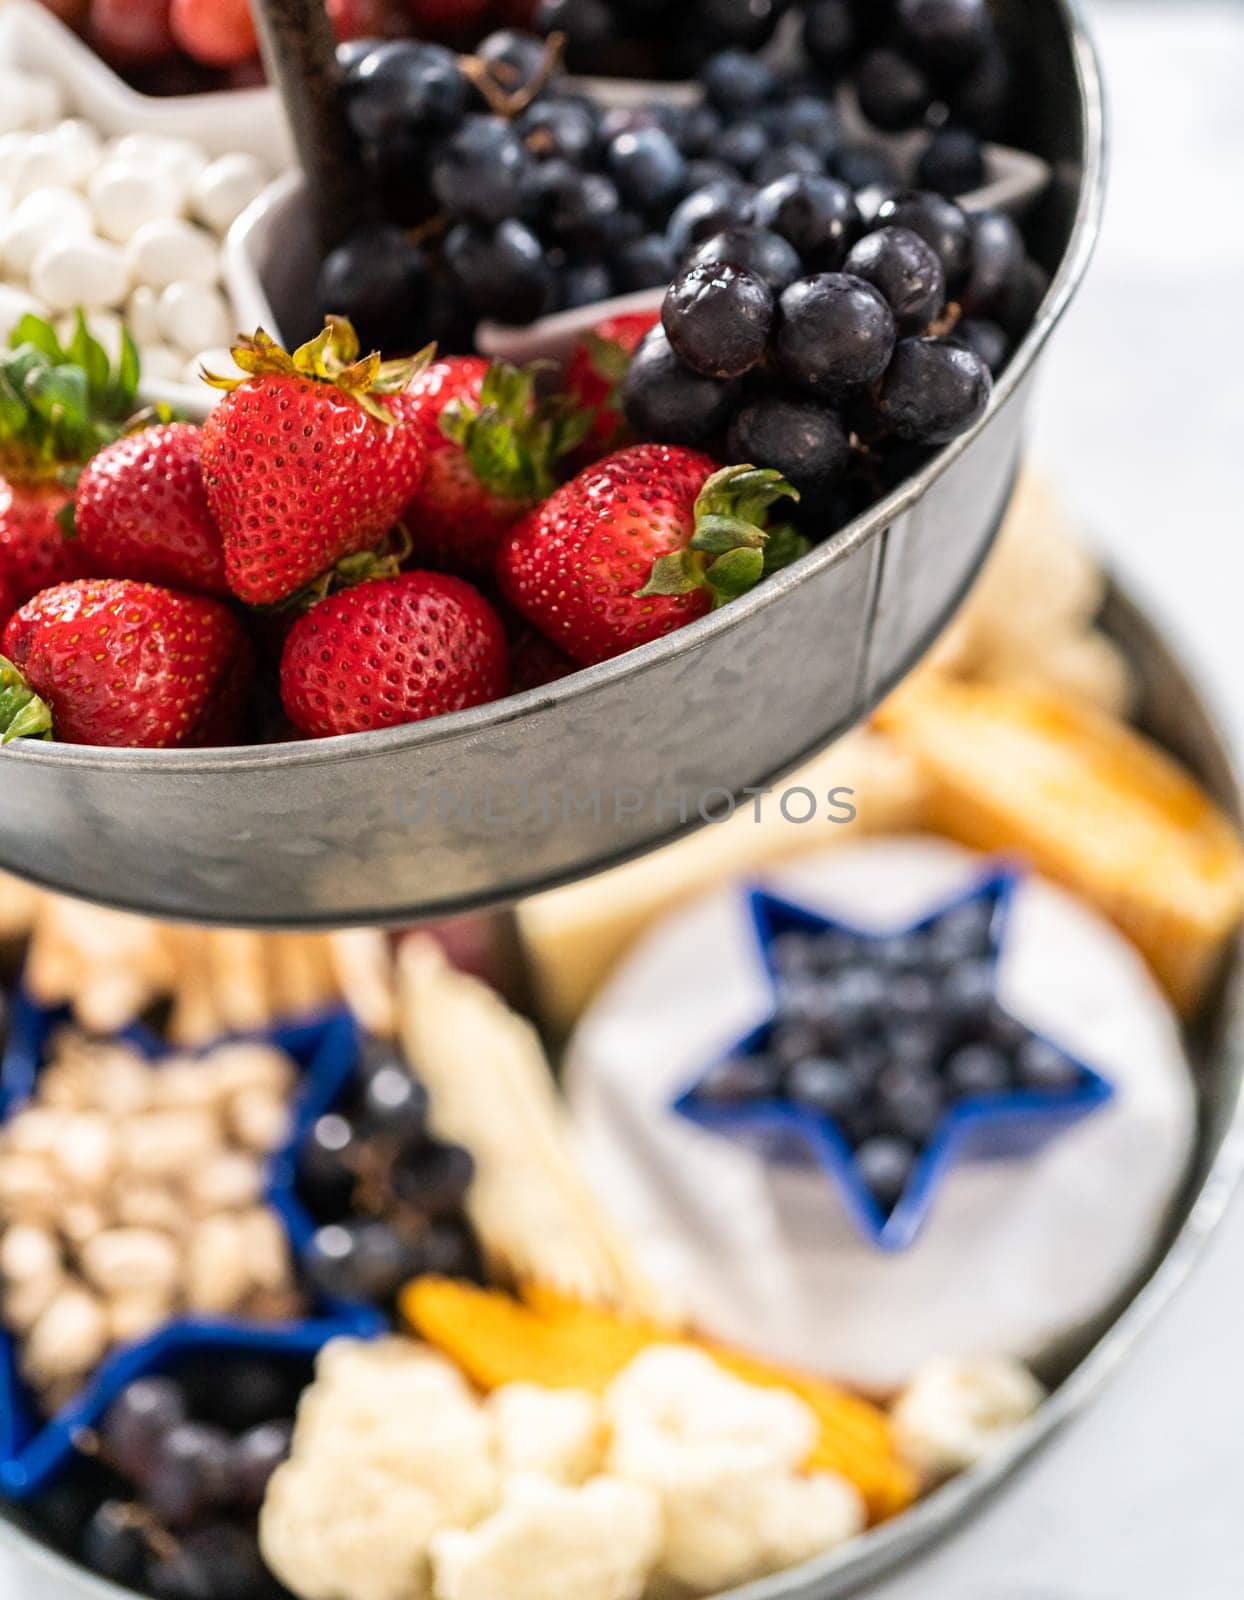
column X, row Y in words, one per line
column 1174, row 712
column 493, row 803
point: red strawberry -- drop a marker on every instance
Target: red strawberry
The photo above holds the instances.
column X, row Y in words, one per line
column 641, row 543
column 491, row 450
column 58, row 405
column 110, row 662
column 8, row 599
column 390, row 651
column 535, row 662
column 35, row 550
column 141, row 512
column 594, row 375
column 303, row 462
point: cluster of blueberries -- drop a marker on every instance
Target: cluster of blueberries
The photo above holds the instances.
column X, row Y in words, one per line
column 387, row 1197
column 804, row 335
column 165, row 1500
column 885, row 1035
column 500, row 191
column 910, row 62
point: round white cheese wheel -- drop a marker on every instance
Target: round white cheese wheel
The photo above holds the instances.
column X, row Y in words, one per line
column 1017, row 1254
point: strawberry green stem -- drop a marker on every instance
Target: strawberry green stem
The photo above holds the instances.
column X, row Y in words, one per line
column 512, row 440
column 23, row 715
column 728, row 553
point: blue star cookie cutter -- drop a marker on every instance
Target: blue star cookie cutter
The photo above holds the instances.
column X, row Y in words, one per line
column 1012, row 1122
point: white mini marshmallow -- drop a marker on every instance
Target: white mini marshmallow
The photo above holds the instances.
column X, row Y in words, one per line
column 41, row 219
column 163, row 364
column 80, row 146
column 224, row 189
column 178, row 157
column 194, row 317
column 42, row 163
column 126, row 196
column 86, row 272
column 142, row 316
column 14, row 305
column 172, row 251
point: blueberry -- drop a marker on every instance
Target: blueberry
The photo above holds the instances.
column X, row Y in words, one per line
column 893, row 91
column 359, row 1260
column 326, row 1162
column 947, row 33
column 404, row 87
column 793, row 954
column 645, row 263
column 817, row 215
column 792, row 1041
column 824, row 1085
column 702, row 171
column 113, row 1544
column 137, row 1422
column 985, row 339
column 911, row 997
column 909, row 1102
column 967, row 928
column 953, row 162
column 395, row 1103
column 478, row 172
column 885, row 1166
column 853, row 998
column 701, row 129
column 666, row 401
column 502, row 271
column 215, row 1562
column 253, row 1458
column 804, row 441
column 742, row 146
column 704, row 212
column 648, row 168
column 746, row 23
column 590, row 27
column 900, row 952
column 434, row 1177
column 830, row 34
column 983, row 98
column 905, row 270
column 735, row 81
column 586, row 283
column 582, row 207
column 1000, row 1028
column 967, row 992
column 243, row 1392
column 866, row 166
column 809, row 120
column 915, row 1045
column 977, row 1069
column 939, row 222
column 1020, row 299
column 447, row 1249
column 784, row 159
column 836, row 333
column 1041, row 1065
column 933, row 391
column 997, row 256
column 559, row 128
column 737, row 1080
column 514, row 59
column 190, row 1473
column 718, row 318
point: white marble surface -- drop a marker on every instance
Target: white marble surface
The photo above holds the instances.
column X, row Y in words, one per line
column 1141, row 420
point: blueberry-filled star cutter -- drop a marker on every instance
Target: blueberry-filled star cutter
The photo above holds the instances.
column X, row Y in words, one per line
column 33, row 1451
column 1010, row 1125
